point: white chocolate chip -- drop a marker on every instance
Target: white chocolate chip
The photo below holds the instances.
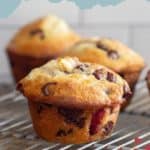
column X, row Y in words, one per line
column 67, row 64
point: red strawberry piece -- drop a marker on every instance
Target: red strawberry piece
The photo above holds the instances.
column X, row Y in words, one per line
column 96, row 119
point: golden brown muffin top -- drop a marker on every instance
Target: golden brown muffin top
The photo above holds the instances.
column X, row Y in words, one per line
column 47, row 36
column 69, row 82
column 108, row 52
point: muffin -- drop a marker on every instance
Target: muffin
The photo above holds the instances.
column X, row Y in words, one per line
column 73, row 102
column 148, row 80
column 112, row 54
column 38, row 42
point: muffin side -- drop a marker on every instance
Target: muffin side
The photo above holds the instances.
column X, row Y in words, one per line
column 76, row 126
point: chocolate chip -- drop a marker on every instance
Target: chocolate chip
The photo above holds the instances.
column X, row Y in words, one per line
column 127, row 93
column 108, row 127
column 101, row 46
column 70, row 131
column 113, row 54
column 38, row 32
column 80, row 122
column 122, row 75
column 82, row 67
column 111, row 77
column 45, row 90
column 98, row 74
column 72, row 116
column 61, row 133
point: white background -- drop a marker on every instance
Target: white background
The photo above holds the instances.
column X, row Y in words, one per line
column 129, row 22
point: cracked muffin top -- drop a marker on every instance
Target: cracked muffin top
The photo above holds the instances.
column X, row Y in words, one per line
column 69, row 82
column 108, row 52
column 48, row 35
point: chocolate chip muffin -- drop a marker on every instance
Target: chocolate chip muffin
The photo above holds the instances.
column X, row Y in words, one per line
column 73, row 102
column 112, row 54
column 37, row 42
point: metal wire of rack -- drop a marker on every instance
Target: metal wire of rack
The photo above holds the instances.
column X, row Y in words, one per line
column 132, row 131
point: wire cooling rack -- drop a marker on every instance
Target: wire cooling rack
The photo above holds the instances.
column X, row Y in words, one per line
column 16, row 133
